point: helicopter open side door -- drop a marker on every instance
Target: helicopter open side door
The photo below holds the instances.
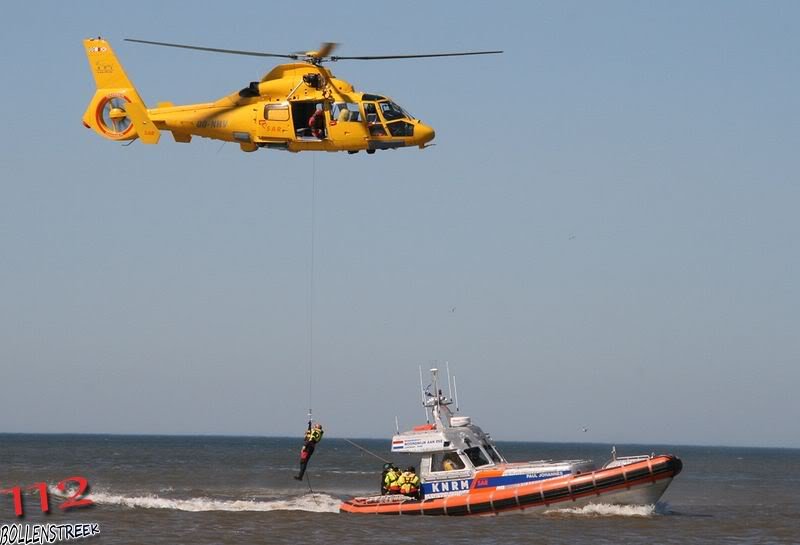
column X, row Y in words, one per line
column 302, row 111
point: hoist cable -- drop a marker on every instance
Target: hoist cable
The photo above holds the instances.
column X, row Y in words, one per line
column 311, row 285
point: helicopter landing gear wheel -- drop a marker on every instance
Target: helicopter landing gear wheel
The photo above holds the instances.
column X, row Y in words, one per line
column 370, row 151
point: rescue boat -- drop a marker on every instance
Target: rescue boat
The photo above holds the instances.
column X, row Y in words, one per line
column 463, row 473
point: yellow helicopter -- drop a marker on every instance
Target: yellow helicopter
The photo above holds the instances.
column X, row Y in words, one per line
column 299, row 106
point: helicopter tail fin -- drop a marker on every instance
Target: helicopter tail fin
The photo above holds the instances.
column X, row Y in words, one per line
column 116, row 110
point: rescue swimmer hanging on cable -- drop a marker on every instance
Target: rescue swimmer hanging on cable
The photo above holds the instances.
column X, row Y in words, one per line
column 312, row 437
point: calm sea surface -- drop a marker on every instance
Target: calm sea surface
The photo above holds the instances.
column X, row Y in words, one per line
column 226, row 490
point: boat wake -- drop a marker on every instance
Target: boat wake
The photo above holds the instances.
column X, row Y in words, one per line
column 316, row 503
column 605, row 510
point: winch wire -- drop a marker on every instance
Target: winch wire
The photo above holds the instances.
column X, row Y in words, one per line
column 311, row 285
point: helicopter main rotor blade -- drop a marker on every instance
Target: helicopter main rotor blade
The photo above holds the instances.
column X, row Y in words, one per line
column 326, row 49
column 320, row 56
column 214, row 49
column 383, row 57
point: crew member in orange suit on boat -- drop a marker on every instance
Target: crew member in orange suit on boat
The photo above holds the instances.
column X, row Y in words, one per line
column 410, row 484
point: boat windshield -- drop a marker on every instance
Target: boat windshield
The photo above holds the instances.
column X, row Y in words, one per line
column 392, row 111
column 493, row 454
column 476, row 456
column 446, row 462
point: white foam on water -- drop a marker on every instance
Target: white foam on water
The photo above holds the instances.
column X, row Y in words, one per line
column 606, row 510
column 316, row 503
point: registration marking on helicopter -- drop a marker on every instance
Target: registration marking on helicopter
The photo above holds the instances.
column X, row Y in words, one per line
column 211, row 124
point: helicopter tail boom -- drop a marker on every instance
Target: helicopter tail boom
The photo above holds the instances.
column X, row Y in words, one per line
column 116, row 110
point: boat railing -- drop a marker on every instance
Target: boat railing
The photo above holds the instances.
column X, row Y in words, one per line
column 619, row 461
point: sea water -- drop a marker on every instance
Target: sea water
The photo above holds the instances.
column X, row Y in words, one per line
column 226, row 490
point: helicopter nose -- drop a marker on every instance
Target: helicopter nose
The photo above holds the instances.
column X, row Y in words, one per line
column 425, row 134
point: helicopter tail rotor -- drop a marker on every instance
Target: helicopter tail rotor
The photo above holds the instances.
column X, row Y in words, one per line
column 112, row 117
column 116, row 111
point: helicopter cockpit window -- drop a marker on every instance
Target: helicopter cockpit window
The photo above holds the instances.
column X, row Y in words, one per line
column 376, row 129
column 373, row 121
column 371, row 112
column 345, row 111
column 392, row 111
column 401, row 128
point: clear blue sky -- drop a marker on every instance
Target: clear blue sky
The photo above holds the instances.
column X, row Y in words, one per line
column 611, row 208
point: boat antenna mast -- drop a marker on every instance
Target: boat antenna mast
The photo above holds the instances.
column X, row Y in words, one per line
column 438, row 402
column 455, row 388
column 422, row 396
column 449, row 387
column 451, row 390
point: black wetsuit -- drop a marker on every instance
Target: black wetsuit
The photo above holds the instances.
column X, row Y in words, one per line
column 309, row 450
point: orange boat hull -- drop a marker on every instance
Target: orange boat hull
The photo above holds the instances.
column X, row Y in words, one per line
column 639, row 482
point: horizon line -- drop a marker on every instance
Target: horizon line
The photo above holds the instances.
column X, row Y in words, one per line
column 252, row 436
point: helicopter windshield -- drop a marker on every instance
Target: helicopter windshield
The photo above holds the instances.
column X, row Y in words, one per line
column 392, row 111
